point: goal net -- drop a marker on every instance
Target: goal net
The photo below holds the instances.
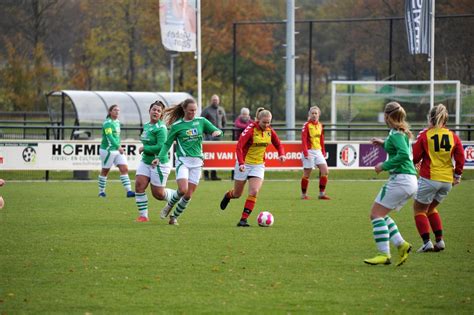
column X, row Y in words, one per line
column 355, row 103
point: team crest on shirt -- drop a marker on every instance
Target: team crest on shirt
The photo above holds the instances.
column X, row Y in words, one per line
column 144, row 135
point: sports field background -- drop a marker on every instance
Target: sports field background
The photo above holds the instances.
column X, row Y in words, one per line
column 63, row 249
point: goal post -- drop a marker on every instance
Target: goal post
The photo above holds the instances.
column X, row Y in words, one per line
column 359, row 102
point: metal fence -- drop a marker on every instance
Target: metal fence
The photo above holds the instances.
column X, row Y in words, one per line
column 342, row 131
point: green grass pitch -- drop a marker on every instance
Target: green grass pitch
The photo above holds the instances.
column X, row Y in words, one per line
column 64, row 250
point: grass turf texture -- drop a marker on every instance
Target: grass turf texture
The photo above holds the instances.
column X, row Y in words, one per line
column 63, row 249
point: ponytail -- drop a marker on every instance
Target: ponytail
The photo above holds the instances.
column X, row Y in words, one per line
column 438, row 116
column 173, row 113
column 395, row 116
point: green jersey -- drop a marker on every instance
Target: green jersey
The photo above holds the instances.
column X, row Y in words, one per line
column 110, row 135
column 188, row 136
column 152, row 137
column 400, row 157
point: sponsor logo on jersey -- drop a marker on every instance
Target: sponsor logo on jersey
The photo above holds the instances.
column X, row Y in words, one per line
column 192, row 132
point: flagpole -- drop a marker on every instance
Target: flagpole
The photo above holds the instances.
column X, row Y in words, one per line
column 432, row 33
column 198, row 55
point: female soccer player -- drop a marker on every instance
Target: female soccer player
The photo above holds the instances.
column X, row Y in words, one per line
column 250, row 164
column 400, row 187
column 111, row 153
column 153, row 136
column 435, row 147
column 187, row 130
column 312, row 139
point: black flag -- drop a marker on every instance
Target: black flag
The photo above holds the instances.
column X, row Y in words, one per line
column 417, row 20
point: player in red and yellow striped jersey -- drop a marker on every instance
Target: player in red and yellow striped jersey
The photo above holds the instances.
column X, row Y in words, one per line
column 250, row 164
column 436, row 148
column 312, row 138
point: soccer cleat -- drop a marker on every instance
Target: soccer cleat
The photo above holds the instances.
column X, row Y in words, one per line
column 427, row 247
column 439, row 246
column 173, row 221
column 130, row 194
column 243, row 223
column 380, row 259
column 102, row 194
column 324, row 197
column 142, row 219
column 403, row 251
column 224, row 202
column 165, row 211
column 304, row 197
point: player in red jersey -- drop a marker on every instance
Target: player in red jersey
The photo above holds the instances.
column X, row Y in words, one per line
column 250, row 164
column 312, row 139
column 436, row 148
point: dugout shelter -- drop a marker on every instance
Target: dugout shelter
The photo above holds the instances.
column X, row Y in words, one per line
column 89, row 108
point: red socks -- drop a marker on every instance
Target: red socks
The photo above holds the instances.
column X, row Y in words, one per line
column 423, row 226
column 304, row 184
column 248, row 207
column 323, row 180
column 436, row 225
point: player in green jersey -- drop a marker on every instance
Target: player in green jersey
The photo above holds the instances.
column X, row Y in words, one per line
column 401, row 186
column 187, row 130
column 111, row 153
column 153, row 136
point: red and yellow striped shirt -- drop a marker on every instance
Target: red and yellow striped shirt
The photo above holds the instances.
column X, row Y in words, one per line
column 253, row 143
column 436, row 148
column 312, row 137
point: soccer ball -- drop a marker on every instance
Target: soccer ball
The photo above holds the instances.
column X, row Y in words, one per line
column 265, row 219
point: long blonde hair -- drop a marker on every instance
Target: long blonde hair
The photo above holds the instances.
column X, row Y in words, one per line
column 395, row 117
column 175, row 112
column 438, row 116
column 312, row 108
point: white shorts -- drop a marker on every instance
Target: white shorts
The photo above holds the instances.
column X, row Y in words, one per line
column 189, row 168
column 396, row 192
column 315, row 158
column 251, row 170
column 158, row 175
column 432, row 189
column 109, row 158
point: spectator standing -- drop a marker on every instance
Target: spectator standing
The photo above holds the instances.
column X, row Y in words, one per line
column 216, row 115
column 242, row 121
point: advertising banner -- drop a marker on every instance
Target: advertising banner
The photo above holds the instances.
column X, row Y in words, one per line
column 221, row 155
column 469, row 155
column 370, row 155
column 59, row 155
column 347, row 155
column 84, row 155
column 331, row 154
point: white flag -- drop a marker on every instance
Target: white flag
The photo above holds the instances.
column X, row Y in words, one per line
column 178, row 24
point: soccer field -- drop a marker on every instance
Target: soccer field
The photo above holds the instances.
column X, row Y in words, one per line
column 63, row 250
